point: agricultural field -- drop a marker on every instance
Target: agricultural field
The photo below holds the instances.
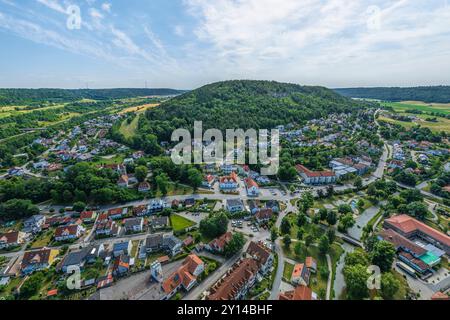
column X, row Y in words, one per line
column 441, row 124
column 418, row 105
column 140, row 109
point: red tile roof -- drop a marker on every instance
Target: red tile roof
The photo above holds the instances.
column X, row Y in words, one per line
column 10, row 237
column 221, row 241
column 236, row 278
column 300, row 293
column 251, row 183
column 71, row 230
column 408, row 224
column 313, row 174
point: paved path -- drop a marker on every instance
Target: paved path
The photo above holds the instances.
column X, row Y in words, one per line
column 330, row 276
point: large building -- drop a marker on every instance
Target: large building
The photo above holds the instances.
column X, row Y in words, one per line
column 413, row 229
column 236, row 282
column 299, row 293
column 315, row 177
column 243, row 274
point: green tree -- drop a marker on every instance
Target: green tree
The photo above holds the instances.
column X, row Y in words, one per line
column 214, row 226
column 141, row 173
column 285, row 226
column 287, row 240
column 309, row 239
column 273, row 234
column 324, row 244
column 17, row 209
column 389, row 286
column 331, row 234
column 323, row 213
column 301, row 220
column 346, row 221
column 162, row 183
column 79, row 206
column 356, row 277
column 195, row 178
column 383, row 255
column 331, row 217
column 234, row 245
column 358, row 183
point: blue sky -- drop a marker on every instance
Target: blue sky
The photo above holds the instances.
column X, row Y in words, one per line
column 188, row 43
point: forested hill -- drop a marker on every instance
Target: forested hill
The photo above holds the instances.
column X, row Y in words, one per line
column 245, row 104
column 438, row 94
column 29, row 96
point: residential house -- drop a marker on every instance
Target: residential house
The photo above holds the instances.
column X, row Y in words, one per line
column 235, row 205
column 66, row 233
column 218, row 244
column 300, row 275
column 252, row 187
column 134, row 225
column 159, row 222
column 88, row 216
column 208, row 181
column 228, row 169
column 144, row 187
column 121, row 265
column 263, row 255
column 117, row 213
column 311, row 264
column 37, row 260
column 172, row 245
column 157, row 205
column 107, row 228
column 12, row 239
column 185, row 277
column 189, row 202
column 123, row 181
column 274, row 205
column 301, row 292
column 229, row 183
column 120, row 248
column 254, row 206
column 237, row 281
column 141, row 211
column 33, row 224
column 154, row 243
column 263, row 216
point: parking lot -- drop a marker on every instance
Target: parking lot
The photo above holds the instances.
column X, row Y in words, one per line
column 249, row 228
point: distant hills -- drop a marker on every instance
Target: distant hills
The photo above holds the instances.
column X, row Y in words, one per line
column 437, row 94
column 25, row 96
column 246, row 104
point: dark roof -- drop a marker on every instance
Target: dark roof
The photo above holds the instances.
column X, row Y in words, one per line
column 133, row 222
column 154, row 240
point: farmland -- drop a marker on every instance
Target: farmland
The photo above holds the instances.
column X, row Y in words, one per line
column 418, row 105
column 441, row 124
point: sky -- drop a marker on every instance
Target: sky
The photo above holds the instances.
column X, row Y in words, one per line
column 185, row 44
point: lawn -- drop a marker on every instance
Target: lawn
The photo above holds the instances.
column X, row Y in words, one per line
column 174, row 190
column 42, row 240
column 318, row 281
column 129, row 129
column 180, row 223
column 287, row 272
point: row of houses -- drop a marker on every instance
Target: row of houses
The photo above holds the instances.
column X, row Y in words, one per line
column 244, row 274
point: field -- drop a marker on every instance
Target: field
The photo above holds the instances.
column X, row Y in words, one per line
column 180, row 223
column 129, row 129
column 140, row 109
column 417, row 105
column 442, row 124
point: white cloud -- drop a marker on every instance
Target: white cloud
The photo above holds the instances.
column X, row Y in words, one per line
column 106, row 6
column 53, row 4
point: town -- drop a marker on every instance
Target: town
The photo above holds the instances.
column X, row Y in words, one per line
column 352, row 191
